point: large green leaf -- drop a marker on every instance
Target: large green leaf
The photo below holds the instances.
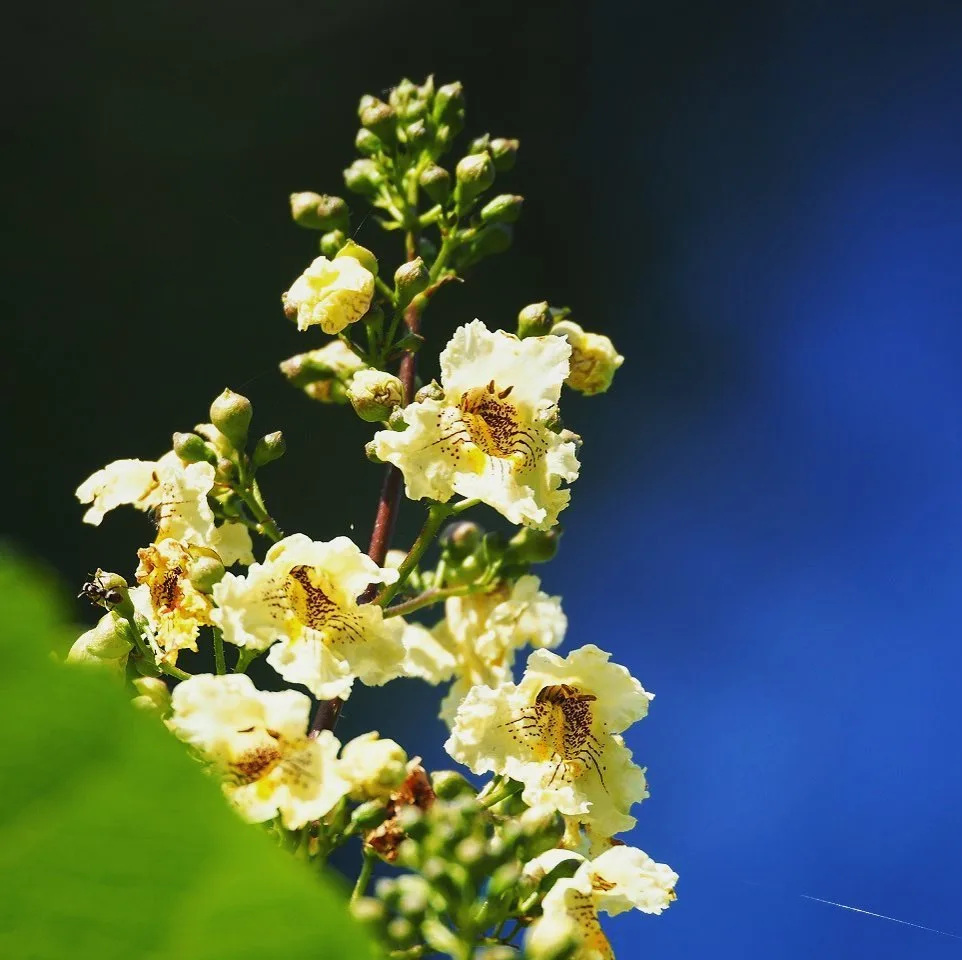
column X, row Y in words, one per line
column 113, row 843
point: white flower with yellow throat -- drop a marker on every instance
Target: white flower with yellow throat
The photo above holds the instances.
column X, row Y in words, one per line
column 489, row 436
column 558, row 733
column 258, row 742
column 303, row 600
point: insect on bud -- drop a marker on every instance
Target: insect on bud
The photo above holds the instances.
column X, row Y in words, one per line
column 231, row 413
column 317, row 211
column 535, row 320
column 193, row 449
column 374, row 394
column 270, row 447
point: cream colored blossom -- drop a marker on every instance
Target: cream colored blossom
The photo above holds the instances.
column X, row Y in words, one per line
column 303, row 600
column 623, row 878
column 476, row 641
column 175, row 494
column 259, row 743
column 173, row 607
column 374, row 394
column 594, row 358
column 557, row 732
column 331, row 293
column 488, row 437
column 374, row 767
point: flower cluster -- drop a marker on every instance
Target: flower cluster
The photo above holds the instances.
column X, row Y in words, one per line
column 537, row 844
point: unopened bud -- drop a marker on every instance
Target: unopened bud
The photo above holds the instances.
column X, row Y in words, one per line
column 368, row 142
column 153, row 695
column 480, row 144
column 231, row 413
column 206, row 570
column 363, row 256
column 430, row 391
column 410, row 279
column 504, row 153
column 270, row 447
column 533, row 546
column 375, row 115
column 491, row 240
column 436, row 182
column 554, row 938
column 401, row 933
column 193, row 449
column 461, row 539
column 505, row 208
column 416, row 135
column 317, row 211
column 409, row 100
column 368, row 910
column 369, row 815
column 449, row 104
column 594, row 358
column 449, row 784
column 107, row 644
column 475, row 173
column 397, row 421
column 535, row 320
column 364, row 176
column 332, row 242
column 374, row 394
column 370, row 451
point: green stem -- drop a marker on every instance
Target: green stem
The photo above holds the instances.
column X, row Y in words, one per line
column 220, row 664
column 465, row 505
column 437, row 514
column 385, row 289
column 364, row 877
column 245, row 657
column 255, row 503
column 503, row 792
column 427, row 599
column 173, row 671
column 448, row 246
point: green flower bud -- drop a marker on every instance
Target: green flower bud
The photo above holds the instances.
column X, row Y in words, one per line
column 416, row 135
column 461, row 538
column 154, row 695
column 368, row 142
column 504, row 153
column 552, row 939
column 374, row 394
column 450, row 880
column 411, row 101
column 414, row 895
column 412, row 822
column 475, row 173
column 368, row 910
column 231, row 414
column 269, row 448
column 449, row 784
column 206, row 569
column 491, row 240
column 449, row 104
column 504, row 208
column 533, row 546
column 401, row 933
column 107, row 644
column 480, row 144
column 396, row 421
column 332, row 242
column 410, row 279
column 430, row 391
column 365, row 177
column 225, row 472
column 375, row 115
column 535, row 320
column 441, row 939
column 436, row 183
column 193, row 449
column 472, row 852
column 363, row 256
column 368, row 815
column 317, row 211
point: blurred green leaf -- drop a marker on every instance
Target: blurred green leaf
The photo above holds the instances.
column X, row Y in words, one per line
column 113, row 843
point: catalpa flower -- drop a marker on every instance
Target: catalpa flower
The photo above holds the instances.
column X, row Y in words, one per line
column 623, row 878
column 175, row 494
column 172, row 606
column 476, row 641
column 330, row 293
column 557, row 732
column 303, row 600
column 488, row 436
column 259, row 743
column 594, row 359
